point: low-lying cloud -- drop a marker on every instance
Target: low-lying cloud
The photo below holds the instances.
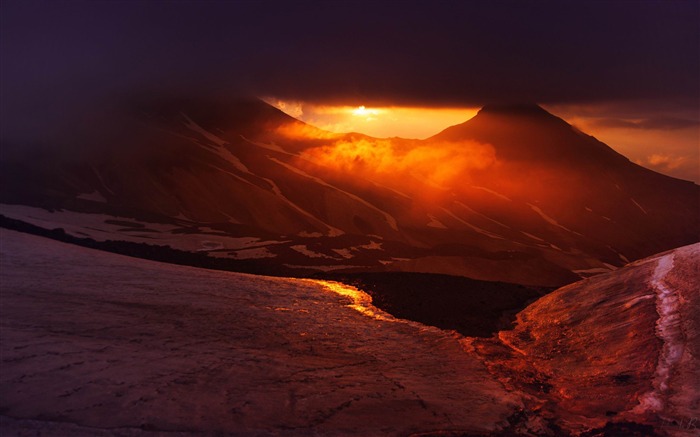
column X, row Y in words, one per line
column 660, row 123
column 437, row 164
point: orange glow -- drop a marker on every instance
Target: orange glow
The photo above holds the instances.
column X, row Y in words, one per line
column 381, row 122
column 420, row 167
column 361, row 301
column 673, row 151
column 303, row 131
column 369, row 114
column 437, row 164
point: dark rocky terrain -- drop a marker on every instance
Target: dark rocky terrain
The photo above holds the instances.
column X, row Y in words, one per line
column 471, row 307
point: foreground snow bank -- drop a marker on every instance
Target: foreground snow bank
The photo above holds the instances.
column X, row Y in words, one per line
column 102, row 344
column 619, row 347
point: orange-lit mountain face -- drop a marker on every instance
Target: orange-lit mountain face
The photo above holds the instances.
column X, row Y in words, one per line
column 514, row 194
column 617, row 348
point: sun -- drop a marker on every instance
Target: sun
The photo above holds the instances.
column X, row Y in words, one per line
column 381, row 121
column 362, row 111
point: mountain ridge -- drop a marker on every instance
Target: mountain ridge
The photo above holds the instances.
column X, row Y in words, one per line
column 499, row 197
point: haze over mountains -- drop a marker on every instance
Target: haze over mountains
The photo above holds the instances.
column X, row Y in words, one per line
column 514, row 194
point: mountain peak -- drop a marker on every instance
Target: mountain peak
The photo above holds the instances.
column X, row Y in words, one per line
column 527, row 132
column 527, row 109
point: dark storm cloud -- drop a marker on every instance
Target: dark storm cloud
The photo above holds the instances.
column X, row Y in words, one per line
column 59, row 58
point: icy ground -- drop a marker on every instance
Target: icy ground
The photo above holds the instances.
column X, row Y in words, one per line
column 98, row 344
column 617, row 347
column 101, row 344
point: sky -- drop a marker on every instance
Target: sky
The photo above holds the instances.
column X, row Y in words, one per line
column 625, row 71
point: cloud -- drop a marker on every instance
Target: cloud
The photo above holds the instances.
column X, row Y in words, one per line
column 666, row 162
column 683, row 167
column 658, row 123
column 396, row 162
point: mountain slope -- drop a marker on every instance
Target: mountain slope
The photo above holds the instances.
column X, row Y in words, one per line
column 578, row 180
column 619, row 347
column 515, row 194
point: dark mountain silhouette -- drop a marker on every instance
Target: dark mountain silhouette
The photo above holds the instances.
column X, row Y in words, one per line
column 514, row 194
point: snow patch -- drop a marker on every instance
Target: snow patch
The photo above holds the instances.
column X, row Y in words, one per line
column 345, row 253
column 534, row 237
column 255, row 253
column 221, row 150
column 669, row 331
column 499, row 195
column 332, row 231
column 95, row 196
column 190, row 124
column 306, row 234
column 639, row 206
column 549, row 219
column 619, row 255
column 372, row 245
column 304, row 250
column 471, row 226
column 584, row 273
column 273, row 147
column 399, row 193
column 322, row 268
column 435, row 223
column 99, row 177
column 208, row 245
column 472, row 211
column 634, row 301
column 389, row 219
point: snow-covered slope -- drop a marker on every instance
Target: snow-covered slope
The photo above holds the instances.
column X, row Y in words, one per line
column 623, row 346
column 100, row 344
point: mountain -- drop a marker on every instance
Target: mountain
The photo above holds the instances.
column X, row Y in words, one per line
column 514, row 194
column 95, row 343
column 619, row 347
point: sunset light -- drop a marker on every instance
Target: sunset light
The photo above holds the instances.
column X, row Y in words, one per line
column 361, row 111
column 350, row 218
column 361, row 301
column 381, row 121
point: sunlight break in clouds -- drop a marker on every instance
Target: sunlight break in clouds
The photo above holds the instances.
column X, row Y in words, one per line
column 382, row 122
